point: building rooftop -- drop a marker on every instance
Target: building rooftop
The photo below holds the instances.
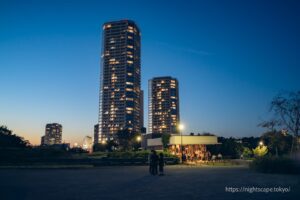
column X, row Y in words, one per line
column 163, row 77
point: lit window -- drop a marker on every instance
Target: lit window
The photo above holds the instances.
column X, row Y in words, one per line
column 106, row 26
column 129, row 62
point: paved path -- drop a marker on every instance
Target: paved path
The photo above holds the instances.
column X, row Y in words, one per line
column 180, row 182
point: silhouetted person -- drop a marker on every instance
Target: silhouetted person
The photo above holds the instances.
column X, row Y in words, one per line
column 150, row 161
column 183, row 157
column 161, row 163
column 153, row 162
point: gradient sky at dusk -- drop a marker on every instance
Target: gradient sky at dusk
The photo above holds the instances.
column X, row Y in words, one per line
column 230, row 57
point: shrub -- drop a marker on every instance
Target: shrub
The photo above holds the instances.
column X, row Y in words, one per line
column 281, row 165
column 260, row 151
column 247, row 153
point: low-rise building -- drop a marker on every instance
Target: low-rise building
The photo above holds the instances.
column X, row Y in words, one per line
column 191, row 146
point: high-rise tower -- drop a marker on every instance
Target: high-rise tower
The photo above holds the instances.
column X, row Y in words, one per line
column 53, row 134
column 120, row 81
column 163, row 105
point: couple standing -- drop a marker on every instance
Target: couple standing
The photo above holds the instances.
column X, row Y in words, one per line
column 156, row 161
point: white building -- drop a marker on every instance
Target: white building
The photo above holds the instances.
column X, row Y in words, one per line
column 193, row 146
column 87, row 143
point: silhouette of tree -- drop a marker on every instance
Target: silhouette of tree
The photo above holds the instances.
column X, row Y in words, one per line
column 229, row 147
column 125, row 139
column 99, row 147
column 277, row 142
column 111, row 144
column 108, row 146
column 287, row 108
column 270, row 124
column 10, row 140
column 165, row 139
column 250, row 142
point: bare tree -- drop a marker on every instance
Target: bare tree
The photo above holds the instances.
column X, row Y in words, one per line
column 287, row 108
column 270, row 125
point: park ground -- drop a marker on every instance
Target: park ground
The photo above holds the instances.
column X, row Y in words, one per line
column 134, row 182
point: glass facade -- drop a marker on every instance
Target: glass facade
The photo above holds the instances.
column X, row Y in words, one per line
column 53, row 134
column 120, row 81
column 163, row 105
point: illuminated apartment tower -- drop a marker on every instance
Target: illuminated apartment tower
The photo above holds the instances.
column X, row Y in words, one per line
column 96, row 134
column 120, row 84
column 53, row 134
column 163, row 105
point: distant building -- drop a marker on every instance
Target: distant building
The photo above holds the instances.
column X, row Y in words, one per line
column 53, row 134
column 87, row 143
column 120, row 81
column 43, row 140
column 163, row 105
column 142, row 111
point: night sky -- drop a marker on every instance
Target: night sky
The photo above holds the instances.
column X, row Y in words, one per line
column 230, row 57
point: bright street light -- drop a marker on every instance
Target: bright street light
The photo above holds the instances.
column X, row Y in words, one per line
column 138, row 138
column 181, row 127
column 261, row 143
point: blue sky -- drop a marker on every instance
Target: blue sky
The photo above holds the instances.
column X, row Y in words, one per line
column 230, row 57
